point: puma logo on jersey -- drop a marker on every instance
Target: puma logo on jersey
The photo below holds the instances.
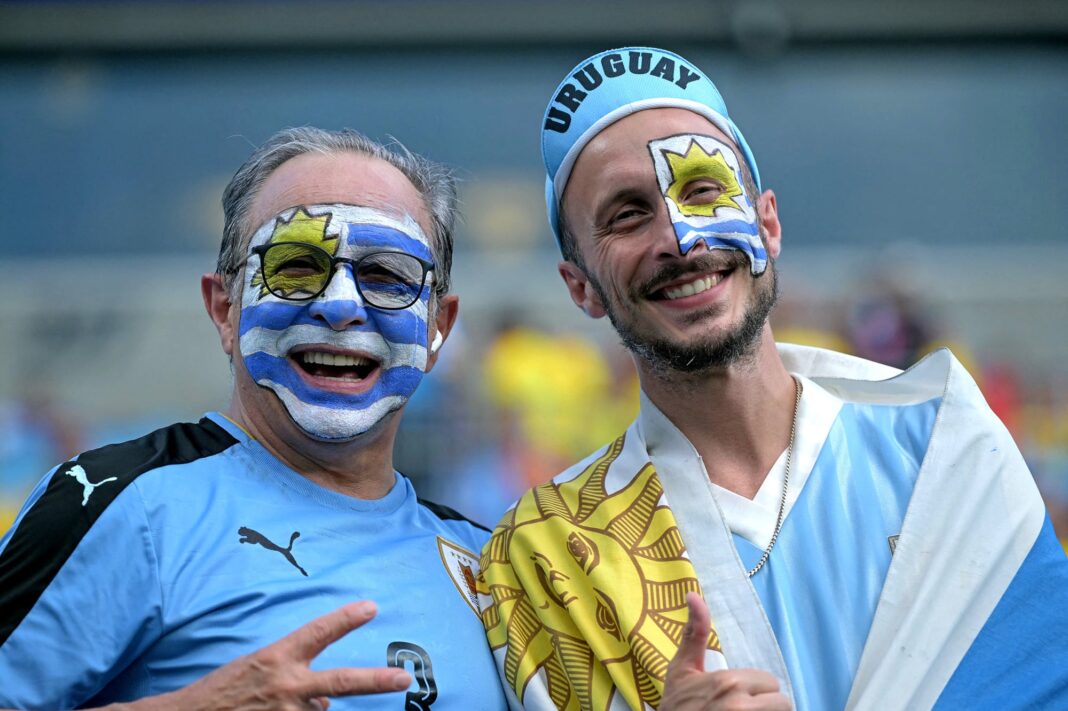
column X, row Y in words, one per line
column 250, row 536
column 82, row 478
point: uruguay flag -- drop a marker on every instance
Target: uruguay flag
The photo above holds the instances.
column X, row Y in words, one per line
column 974, row 609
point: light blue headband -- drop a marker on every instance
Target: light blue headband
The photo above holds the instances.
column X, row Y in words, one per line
column 608, row 86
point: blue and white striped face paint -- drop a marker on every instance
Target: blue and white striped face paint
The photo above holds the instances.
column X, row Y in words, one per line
column 703, row 186
column 337, row 364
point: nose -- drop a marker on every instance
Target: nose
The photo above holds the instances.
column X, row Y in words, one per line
column 698, row 247
column 665, row 240
column 340, row 305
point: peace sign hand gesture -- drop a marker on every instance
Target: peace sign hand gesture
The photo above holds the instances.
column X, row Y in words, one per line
column 278, row 678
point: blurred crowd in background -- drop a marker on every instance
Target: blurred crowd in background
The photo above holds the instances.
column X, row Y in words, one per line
column 918, row 151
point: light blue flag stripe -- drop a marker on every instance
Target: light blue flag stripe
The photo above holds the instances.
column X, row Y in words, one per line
column 741, row 227
column 712, row 240
column 400, row 326
column 364, row 235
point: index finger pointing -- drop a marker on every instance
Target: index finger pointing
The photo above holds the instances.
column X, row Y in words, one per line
column 308, row 641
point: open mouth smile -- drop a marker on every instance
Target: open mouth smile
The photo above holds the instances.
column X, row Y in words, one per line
column 691, row 285
column 335, row 368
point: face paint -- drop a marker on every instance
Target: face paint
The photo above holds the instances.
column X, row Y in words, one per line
column 338, row 365
column 703, row 187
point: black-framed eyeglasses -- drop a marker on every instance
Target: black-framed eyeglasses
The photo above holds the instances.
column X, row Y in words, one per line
column 297, row 271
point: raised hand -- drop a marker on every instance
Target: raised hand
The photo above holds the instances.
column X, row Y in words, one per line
column 688, row 687
column 278, row 676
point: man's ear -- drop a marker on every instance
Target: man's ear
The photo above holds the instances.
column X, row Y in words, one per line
column 445, row 313
column 217, row 303
column 769, row 220
column 581, row 289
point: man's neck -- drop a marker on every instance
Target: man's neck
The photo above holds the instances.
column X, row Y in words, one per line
column 738, row 419
column 361, row 467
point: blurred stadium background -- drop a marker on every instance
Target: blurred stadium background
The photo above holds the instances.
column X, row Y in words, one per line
column 919, row 152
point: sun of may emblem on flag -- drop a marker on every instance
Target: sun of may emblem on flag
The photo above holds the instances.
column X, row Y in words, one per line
column 703, row 186
column 607, row 577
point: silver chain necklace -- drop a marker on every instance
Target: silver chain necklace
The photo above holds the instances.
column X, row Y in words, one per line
column 785, row 483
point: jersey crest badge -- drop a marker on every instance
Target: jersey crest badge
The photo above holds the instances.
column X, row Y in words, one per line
column 462, row 566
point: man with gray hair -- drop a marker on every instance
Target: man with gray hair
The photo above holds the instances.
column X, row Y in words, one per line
column 152, row 571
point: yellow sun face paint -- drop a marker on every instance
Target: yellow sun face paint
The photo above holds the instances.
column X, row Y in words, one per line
column 304, row 229
column 703, row 186
column 697, row 165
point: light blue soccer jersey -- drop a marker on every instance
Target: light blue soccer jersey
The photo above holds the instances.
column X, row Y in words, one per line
column 138, row 568
column 915, row 567
column 823, row 579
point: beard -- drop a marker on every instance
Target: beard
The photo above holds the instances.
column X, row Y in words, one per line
column 708, row 352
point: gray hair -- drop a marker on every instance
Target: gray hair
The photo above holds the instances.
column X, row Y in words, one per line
column 432, row 180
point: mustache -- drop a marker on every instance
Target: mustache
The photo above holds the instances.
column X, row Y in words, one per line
column 716, row 260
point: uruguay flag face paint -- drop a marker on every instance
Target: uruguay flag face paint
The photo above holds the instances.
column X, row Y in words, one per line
column 337, row 364
column 727, row 222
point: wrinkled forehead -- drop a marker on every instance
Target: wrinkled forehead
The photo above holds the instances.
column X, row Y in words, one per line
column 342, row 228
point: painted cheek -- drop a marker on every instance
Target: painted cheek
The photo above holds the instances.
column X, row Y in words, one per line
column 332, row 415
column 269, row 313
column 403, row 326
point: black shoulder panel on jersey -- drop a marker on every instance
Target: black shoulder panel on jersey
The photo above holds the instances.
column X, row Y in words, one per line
column 56, row 523
column 447, row 514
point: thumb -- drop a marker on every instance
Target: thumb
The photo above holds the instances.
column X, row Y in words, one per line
column 691, row 653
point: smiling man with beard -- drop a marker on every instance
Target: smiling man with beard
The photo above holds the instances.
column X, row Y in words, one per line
column 152, row 571
column 781, row 526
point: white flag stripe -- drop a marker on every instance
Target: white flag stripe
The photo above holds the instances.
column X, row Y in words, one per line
column 345, row 214
column 334, row 423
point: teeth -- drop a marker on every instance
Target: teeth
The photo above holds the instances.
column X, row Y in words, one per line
column 338, row 359
column 693, row 287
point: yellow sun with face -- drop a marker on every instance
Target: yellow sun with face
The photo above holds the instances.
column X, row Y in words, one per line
column 589, row 588
column 302, row 228
column 695, row 165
